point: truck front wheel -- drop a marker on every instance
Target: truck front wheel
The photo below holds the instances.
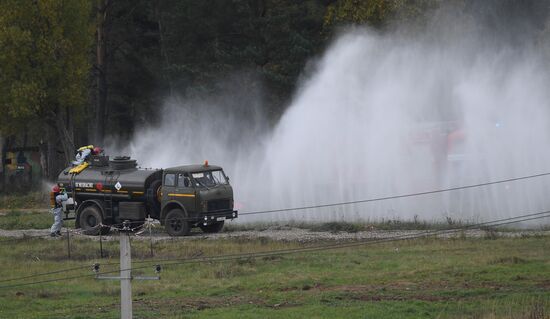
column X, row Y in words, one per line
column 176, row 223
column 90, row 220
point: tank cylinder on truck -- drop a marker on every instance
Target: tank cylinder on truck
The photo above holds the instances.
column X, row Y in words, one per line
column 120, row 181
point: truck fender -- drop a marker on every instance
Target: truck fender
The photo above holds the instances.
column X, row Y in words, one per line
column 168, row 207
column 86, row 203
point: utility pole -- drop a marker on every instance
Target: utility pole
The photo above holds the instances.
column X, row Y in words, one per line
column 125, row 273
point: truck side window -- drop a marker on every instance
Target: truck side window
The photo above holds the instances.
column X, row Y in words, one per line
column 170, row 180
column 183, row 181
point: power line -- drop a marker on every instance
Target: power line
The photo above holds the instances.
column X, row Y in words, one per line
column 176, row 261
column 395, row 196
column 369, row 199
column 399, row 237
column 317, row 248
column 45, row 273
column 339, row 203
column 288, row 209
column 373, row 199
column 53, row 272
column 499, row 222
column 45, row 281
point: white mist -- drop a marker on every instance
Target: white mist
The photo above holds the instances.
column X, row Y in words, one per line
column 382, row 115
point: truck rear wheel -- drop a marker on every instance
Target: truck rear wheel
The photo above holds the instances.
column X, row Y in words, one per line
column 90, row 220
column 176, row 223
column 154, row 197
column 212, row 228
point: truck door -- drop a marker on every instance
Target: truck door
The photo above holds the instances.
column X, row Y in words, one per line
column 168, row 187
column 185, row 192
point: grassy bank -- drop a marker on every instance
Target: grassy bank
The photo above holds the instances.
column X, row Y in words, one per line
column 24, row 201
column 17, row 219
column 425, row 278
column 341, row 226
column 353, row 227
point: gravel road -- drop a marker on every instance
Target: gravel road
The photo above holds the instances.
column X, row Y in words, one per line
column 278, row 233
column 285, row 234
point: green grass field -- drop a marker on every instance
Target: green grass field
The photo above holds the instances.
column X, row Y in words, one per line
column 423, row 278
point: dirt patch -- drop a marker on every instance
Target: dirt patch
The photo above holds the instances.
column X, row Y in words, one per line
column 285, row 304
column 405, row 290
column 197, row 303
column 508, row 260
column 350, row 288
column 305, row 287
column 428, row 298
column 545, row 284
column 396, row 291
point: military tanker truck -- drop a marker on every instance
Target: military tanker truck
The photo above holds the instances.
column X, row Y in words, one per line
column 109, row 191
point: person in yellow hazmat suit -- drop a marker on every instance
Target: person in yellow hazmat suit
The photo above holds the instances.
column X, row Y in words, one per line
column 82, row 153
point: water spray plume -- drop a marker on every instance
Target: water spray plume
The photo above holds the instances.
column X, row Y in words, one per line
column 382, row 115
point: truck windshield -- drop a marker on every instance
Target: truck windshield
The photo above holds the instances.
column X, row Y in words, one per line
column 210, row 178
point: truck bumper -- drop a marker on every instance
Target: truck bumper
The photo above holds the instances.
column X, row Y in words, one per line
column 210, row 217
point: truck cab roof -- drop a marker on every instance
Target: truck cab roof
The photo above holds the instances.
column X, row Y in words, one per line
column 191, row 168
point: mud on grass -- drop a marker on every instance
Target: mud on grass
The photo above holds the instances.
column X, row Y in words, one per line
column 427, row 278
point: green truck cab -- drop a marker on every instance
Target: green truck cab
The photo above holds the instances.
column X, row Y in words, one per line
column 195, row 196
